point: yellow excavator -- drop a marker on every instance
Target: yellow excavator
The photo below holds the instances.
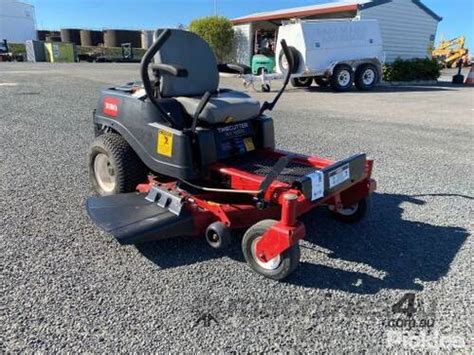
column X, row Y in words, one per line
column 449, row 52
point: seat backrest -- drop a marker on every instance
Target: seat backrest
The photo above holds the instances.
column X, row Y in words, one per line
column 193, row 53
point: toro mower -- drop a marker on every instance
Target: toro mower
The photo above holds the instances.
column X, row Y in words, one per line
column 177, row 156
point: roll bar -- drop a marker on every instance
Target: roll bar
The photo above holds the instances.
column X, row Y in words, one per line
column 147, row 58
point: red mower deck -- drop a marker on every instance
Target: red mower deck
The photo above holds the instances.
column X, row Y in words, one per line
column 164, row 208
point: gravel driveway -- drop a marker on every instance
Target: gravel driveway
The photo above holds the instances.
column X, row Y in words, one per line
column 66, row 286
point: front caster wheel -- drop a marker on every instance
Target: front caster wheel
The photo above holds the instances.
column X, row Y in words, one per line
column 277, row 268
column 266, row 88
column 353, row 213
column 218, row 236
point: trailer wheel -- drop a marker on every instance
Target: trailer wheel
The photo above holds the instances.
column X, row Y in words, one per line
column 279, row 267
column 218, row 235
column 366, row 77
column 321, row 81
column 342, row 78
column 283, row 61
column 114, row 167
column 302, row 82
column 354, row 213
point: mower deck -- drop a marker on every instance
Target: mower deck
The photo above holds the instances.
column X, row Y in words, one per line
column 165, row 209
column 133, row 219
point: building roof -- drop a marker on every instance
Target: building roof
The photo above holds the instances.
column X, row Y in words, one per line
column 328, row 8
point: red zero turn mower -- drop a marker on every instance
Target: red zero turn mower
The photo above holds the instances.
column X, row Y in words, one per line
column 178, row 156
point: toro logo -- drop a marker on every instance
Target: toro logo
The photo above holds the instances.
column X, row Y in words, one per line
column 110, row 106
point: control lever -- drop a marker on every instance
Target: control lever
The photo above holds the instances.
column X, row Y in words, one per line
column 204, row 100
column 289, row 57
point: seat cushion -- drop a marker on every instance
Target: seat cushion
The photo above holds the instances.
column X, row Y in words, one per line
column 225, row 107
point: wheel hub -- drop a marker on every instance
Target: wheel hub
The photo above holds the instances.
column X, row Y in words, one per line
column 213, row 237
column 349, row 210
column 368, row 77
column 284, row 63
column 344, row 78
column 271, row 264
column 104, row 172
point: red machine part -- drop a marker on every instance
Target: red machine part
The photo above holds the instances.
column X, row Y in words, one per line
column 284, row 201
column 283, row 234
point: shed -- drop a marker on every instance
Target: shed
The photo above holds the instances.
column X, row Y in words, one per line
column 408, row 27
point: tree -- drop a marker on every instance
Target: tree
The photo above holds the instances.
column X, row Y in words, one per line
column 218, row 32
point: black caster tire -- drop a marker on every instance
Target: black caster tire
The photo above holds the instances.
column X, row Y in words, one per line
column 279, row 267
column 218, row 236
column 342, row 78
column 354, row 213
column 114, row 167
column 366, row 77
column 266, row 88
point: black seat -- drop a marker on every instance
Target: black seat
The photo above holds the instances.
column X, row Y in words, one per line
column 187, row 50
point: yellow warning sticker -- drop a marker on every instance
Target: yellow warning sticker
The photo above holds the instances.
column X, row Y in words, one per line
column 164, row 145
column 249, row 144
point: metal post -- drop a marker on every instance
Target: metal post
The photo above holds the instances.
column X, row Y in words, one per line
column 288, row 210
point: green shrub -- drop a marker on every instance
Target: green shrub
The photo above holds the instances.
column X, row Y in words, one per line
column 218, row 32
column 17, row 48
column 412, row 69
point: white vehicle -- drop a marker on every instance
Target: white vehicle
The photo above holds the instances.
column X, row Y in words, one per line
column 338, row 53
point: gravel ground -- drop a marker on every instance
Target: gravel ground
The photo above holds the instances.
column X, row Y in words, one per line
column 66, row 286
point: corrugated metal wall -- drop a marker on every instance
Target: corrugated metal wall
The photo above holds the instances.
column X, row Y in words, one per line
column 243, row 45
column 407, row 30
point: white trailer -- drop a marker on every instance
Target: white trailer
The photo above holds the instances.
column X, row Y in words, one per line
column 338, row 53
column 17, row 21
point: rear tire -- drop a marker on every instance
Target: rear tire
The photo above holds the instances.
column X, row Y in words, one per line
column 302, row 82
column 366, row 77
column 279, row 267
column 114, row 167
column 283, row 62
column 354, row 213
column 342, row 78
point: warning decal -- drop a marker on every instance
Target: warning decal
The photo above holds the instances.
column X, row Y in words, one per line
column 248, row 142
column 164, row 144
